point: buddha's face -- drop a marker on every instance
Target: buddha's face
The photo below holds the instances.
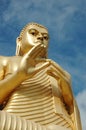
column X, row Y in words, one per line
column 33, row 35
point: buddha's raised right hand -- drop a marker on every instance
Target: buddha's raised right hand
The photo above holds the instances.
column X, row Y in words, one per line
column 28, row 63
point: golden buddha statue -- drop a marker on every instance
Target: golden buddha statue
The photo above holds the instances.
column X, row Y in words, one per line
column 35, row 92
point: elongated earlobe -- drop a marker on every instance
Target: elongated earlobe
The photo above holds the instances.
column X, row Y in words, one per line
column 18, row 49
column 18, row 46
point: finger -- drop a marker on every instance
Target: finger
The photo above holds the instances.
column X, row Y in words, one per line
column 52, row 73
column 55, row 73
column 31, row 52
column 55, row 65
column 34, row 49
column 38, row 53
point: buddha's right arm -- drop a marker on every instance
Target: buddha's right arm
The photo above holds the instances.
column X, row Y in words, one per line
column 8, row 84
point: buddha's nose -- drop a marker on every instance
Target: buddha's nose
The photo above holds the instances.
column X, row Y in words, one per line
column 40, row 37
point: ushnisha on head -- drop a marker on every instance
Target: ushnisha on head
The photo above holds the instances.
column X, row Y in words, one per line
column 31, row 35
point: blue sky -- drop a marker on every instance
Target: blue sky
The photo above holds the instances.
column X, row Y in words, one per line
column 66, row 22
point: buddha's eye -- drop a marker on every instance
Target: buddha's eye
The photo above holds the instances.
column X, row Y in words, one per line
column 33, row 32
column 46, row 37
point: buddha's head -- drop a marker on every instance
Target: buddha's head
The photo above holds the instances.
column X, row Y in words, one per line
column 31, row 35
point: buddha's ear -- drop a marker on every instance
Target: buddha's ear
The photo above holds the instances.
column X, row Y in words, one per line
column 18, row 40
column 18, row 46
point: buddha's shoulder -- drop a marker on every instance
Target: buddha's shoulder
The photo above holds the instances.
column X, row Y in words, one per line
column 7, row 59
column 3, row 58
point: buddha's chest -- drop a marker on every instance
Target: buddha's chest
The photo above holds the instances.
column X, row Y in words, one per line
column 32, row 92
column 33, row 99
column 38, row 87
